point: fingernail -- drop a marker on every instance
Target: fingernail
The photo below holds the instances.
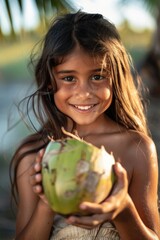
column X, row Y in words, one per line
column 71, row 220
column 36, row 166
column 119, row 166
column 41, row 152
column 82, row 206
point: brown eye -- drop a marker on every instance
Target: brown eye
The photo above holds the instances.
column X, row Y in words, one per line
column 97, row 77
column 69, row 79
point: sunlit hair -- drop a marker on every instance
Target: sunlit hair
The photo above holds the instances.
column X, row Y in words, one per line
column 99, row 38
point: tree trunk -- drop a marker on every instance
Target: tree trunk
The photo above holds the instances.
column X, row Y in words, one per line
column 150, row 68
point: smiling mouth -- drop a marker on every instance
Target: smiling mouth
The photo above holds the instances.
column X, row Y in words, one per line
column 84, row 108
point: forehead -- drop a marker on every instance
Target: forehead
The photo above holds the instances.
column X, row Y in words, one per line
column 79, row 57
column 80, row 61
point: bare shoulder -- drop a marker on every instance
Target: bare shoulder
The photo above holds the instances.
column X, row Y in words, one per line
column 129, row 146
column 140, row 161
column 136, row 152
column 27, row 199
column 26, row 156
column 142, row 148
column 26, row 161
column 139, row 156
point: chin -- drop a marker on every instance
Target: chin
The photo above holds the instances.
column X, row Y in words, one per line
column 84, row 123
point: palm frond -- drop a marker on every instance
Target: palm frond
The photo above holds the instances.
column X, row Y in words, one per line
column 45, row 8
column 151, row 5
column 8, row 8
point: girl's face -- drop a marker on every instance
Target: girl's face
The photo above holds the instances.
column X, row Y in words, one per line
column 84, row 90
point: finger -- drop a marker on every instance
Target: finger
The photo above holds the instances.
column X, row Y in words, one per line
column 122, row 181
column 105, row 207
column 35, row 168
column 74, row 221
column 87, row 221
column 38, row 189
column 40, row 156
column 82, row 226
column 35, row 179
column 89, row 207
column 120, row 171
column 44, row 199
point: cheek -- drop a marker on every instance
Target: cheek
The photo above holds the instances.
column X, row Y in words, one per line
column 106, row 92
column 60, row 97
column 107, row 97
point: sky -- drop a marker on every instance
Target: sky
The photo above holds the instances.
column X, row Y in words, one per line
column 136, row 14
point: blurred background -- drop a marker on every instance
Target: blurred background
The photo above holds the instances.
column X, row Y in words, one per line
column 23, row 23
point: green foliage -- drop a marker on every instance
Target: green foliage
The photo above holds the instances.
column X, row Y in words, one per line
column 14, row 59
column 46, row 9
column 153, row 6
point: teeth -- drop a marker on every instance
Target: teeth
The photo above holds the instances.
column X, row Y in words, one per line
column 83, row 107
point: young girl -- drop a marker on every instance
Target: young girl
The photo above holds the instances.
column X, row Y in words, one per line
column 84, row 83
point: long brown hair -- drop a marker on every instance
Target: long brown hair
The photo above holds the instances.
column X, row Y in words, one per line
column 100, row 38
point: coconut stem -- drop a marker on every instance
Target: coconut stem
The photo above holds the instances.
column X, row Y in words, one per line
column 51, row 138
column 71, row 134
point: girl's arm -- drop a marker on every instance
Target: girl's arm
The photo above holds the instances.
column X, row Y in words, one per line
column 141, row 215
column 34, row 217
column 133, row 209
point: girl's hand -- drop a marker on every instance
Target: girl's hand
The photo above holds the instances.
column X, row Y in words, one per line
column 107, row 210
column 36, row 176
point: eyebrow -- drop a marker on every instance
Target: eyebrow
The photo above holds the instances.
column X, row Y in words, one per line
column 73, row 71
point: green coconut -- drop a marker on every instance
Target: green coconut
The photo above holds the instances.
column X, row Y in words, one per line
column 74, row 171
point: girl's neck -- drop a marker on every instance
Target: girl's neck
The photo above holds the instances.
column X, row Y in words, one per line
column 101, row 126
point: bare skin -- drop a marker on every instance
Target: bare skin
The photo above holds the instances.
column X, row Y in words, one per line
column 83, row 95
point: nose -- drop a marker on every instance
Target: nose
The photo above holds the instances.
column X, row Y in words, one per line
column 84, row 90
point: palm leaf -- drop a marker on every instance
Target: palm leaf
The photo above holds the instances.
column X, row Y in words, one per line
column 20, row 5
column 46, row 8
column 8, row 8
column 151, row 5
